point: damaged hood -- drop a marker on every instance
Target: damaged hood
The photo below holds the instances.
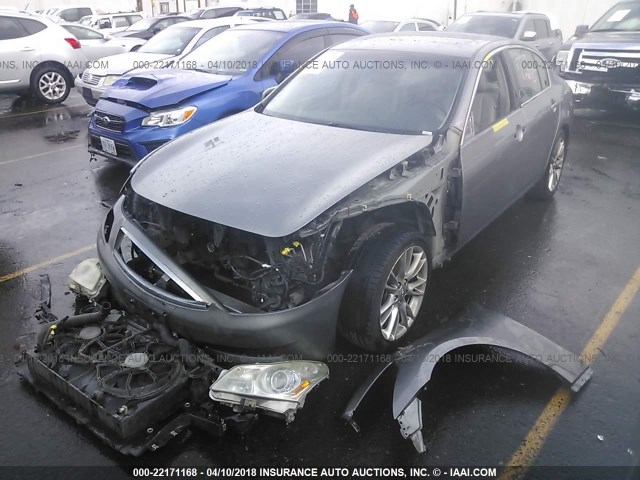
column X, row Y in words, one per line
column 267, row 175
column 161, row 88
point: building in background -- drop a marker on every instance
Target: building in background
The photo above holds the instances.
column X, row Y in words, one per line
column 565, row 14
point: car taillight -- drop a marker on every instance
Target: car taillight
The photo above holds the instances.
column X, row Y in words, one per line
column 73, row 42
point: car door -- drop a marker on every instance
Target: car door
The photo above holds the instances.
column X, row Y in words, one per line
column 491, row 150
column 18, row 53
column 540, row 106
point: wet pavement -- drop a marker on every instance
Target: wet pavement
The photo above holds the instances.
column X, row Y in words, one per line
column 555, row 267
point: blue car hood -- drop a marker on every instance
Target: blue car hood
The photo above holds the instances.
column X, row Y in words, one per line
column 163, row 88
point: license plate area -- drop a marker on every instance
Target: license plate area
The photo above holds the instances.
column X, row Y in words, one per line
column 108, row 145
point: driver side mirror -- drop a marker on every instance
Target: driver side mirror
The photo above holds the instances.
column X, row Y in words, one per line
column 581, row 30
column 529, row 36
column 155, row 30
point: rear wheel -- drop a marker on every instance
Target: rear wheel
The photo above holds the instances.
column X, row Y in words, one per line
column 51, row 84
column 548, row 183
column 386, row 290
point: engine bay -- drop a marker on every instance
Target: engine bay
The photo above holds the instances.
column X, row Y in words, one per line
column 268, row 273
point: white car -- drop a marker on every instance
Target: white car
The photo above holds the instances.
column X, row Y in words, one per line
column 112, row 22
column 159, row 52
column 95, row 45
column 69, row 13
column 38, row 56
column 406, row 25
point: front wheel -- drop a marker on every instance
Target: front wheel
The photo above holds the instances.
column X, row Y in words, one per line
column 548, row 183
column 386, row 290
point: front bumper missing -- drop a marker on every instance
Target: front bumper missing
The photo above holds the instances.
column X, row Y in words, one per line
column 475, row 326
column 307, row 331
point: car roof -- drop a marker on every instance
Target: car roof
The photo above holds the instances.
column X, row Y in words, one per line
column 301, row 25
column 454, row 44
column 400, row 20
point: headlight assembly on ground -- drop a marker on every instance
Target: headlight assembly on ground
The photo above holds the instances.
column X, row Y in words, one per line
column 277, row 387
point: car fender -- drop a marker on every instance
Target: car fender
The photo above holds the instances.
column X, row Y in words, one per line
column 474, row 326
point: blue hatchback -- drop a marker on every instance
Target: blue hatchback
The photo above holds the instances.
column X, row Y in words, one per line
column 226, row 75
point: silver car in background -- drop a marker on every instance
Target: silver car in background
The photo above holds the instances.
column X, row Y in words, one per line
column 160, row 51
column 38, row 56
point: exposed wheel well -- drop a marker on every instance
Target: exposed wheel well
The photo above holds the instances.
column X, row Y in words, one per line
column 358, row 230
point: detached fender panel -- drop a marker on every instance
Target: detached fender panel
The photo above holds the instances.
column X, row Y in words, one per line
column 474, row 326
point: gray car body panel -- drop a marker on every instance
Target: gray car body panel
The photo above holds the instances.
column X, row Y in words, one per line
column 474, row 326
column 273, row 187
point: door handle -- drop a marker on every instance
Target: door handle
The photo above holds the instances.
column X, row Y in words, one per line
column 537, row 45
column 520, row 131
column 554, row 105
column 27, row 49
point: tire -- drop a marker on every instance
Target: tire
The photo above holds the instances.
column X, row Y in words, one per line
column 51, row 84
column 368, row 293
column 548, row 183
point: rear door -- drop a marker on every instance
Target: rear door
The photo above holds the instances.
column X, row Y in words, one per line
column 491, row 150
column 540, row 105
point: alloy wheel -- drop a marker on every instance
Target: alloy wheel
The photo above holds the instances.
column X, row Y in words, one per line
column 555, row 166
column 403, row 293
column 52, row 85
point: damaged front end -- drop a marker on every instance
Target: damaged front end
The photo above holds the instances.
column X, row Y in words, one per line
column 137, row 386
column 474, row 326
column 229, row 289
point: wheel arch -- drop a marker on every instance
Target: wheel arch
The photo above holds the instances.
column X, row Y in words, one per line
column 41, row 65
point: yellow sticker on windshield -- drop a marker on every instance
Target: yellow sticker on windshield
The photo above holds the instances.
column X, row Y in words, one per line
column 500, row 125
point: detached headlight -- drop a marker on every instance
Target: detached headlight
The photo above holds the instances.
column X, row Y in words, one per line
column 169, row 118
column 277, row 387
column 109, row 79
column 561, row 59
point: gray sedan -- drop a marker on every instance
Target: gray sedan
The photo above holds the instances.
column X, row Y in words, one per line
column 328, row 205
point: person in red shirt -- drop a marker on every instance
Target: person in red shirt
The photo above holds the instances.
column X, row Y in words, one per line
column 353, row 15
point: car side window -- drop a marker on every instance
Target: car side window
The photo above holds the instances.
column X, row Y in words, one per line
column 492, row 100
column 120, row 22
column 529, row 26
column 299, row 51
column 31, row 26
column 408, row 27
column 210, row 34
column 425, row 27
column 542, row 29
column 525, row 68
column 10, row 28
column 279, row 15
column 133, row 19
column 83, row 33
column 209, row 14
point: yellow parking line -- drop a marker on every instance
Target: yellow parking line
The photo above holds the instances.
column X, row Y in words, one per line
column 29, row 157
column 524, row 457
column 46, row 263
column 42, row 111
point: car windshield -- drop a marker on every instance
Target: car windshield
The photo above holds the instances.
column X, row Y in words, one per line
column 143, row 24
column 171, row 41
column 373, row 91
column 624, row 17
column 233, row 52
column 379, row 26
column 500, row 26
